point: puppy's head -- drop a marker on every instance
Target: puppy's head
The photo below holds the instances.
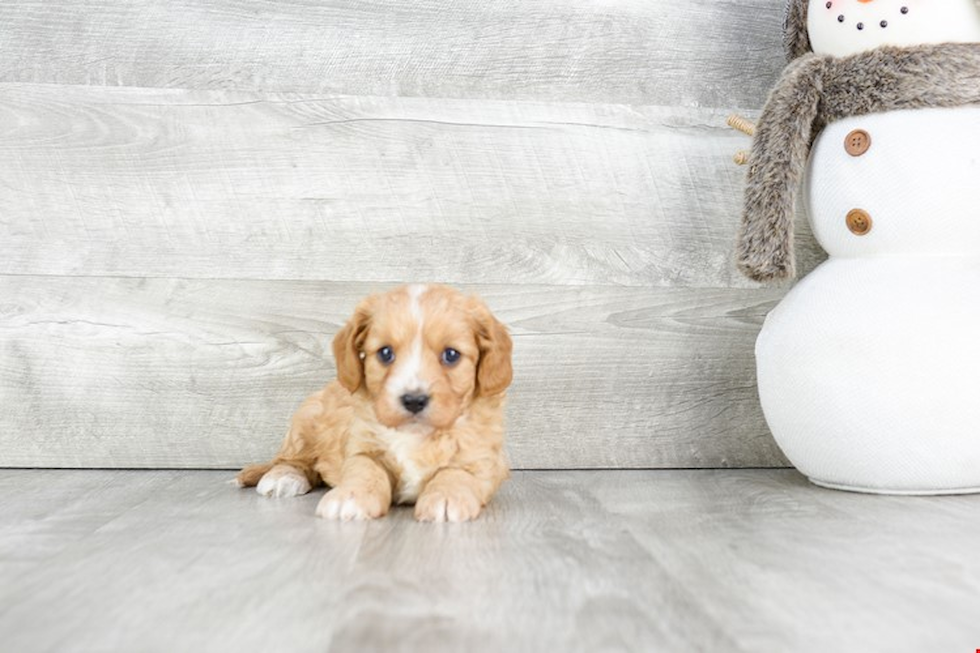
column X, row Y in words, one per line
column 422, row 354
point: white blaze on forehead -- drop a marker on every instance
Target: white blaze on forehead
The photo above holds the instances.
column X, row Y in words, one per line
column 415, row 292
column 408, row 375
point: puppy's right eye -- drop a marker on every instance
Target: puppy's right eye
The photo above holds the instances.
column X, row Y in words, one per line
column 386, row 355
column 450, row 356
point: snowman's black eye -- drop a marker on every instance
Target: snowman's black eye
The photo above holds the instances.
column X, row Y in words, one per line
column 840, row 19
column 884, row 23
column 905, row 10
column 829, row 5
column 860, row 25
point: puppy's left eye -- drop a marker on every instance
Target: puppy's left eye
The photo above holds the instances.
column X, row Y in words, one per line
column 450, row 356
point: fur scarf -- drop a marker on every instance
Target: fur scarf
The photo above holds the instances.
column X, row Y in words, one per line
column 816, row 90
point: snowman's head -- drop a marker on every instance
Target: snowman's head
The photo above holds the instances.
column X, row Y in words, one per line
column 843, row 27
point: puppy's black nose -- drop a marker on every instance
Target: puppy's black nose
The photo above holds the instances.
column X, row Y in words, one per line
column 415, row 403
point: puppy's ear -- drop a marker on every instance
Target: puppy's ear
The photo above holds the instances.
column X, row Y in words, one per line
column 494, row 371
column 348, row 343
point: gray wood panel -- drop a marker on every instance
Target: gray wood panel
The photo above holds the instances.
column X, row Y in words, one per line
column 745, row 560
column 110, row 372
column 193, row 196
column 138, row 182
column 696, row 53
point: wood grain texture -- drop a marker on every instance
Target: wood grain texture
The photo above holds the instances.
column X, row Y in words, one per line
column 737, row 560
column 110, row 372
column 217, row 184
column 194, row 195
column 699, row 53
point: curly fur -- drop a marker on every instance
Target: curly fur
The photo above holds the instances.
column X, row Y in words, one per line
column 814, row 91
column 359, row 436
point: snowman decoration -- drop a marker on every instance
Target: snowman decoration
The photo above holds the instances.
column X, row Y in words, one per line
column 869, row 369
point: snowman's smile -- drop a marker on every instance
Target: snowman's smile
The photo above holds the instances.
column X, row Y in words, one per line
column 844, row 27
column 865, row 19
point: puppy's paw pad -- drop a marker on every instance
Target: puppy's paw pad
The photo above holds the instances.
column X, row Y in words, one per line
column 347, row 504
column 447, row 505
column 283, row 482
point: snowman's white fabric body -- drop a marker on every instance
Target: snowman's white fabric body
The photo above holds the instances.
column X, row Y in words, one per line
column 869, row 369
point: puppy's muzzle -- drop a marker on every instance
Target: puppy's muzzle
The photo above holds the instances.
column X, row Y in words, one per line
column 415, row 403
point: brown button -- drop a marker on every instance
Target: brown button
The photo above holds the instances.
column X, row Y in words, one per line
column 857, row 142
column 859, row 222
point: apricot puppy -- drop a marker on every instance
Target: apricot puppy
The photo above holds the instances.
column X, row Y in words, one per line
column 415, row 415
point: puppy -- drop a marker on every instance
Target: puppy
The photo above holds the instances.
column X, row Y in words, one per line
column 415, row 415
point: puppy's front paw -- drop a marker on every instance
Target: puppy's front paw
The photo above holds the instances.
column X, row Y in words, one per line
column 283, row 481
column 447, row 504
column 347, row 504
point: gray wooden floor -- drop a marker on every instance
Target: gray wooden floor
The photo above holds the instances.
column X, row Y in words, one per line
column 746, row 560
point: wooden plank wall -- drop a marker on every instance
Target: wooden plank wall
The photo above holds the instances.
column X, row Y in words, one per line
column 193, row 196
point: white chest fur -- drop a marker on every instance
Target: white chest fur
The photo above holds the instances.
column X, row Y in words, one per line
column 403, row 447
